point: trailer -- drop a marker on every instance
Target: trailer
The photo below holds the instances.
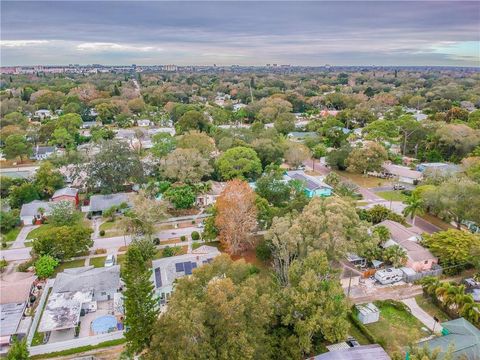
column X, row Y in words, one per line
column 389, row 276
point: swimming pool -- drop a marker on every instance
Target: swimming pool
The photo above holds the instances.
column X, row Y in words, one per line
column 104, row 324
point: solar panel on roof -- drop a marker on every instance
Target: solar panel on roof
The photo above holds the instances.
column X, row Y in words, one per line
column 158, row 278
column 188, row 268
column 194, row 265
column 179, row 267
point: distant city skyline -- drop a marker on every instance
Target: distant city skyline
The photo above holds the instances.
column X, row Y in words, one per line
column 388, row 33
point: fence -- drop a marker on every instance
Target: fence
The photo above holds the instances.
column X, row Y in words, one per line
column 435, row 271
column 39, row 311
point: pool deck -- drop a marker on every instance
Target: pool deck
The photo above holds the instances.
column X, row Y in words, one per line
column 103, row 308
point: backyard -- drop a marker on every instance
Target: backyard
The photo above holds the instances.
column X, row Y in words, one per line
column 111, row 228
column 428, row 306
column 362, row 180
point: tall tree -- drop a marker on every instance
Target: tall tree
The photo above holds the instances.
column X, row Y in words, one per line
column 414, row 206
column 17, row 146
column 236, row 216
column 296, row 154
column 186, row 165
column 48, row 179
column 239, row 162
column 141, row 306
column 368, row 158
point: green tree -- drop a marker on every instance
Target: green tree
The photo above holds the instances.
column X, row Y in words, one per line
column 395, row 255
column 270, row 151
column 337, row 158
column 368, row 158
column 197, row 140
column 45, row 266
column 9, row 220
column 18, row 350
column 272, row 187
column 48, row 179
column 381, row 130
column 63, row 213
column 383, row 232
column 23, row 194
column 239, row 162
column 163, row 144
column 192, row 120
column 319, row 151
column 182, row 196
column 186, row 165
column 414, row 206
column 285, row 123
column 17, row 146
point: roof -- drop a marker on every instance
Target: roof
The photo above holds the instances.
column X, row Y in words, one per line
column 462, row 334
column 10, row 316
column 167, row 270
column 104, row 202
column 15, row 287
column 311, row 182
column 400, row 235
column 302, row 134
column 67, row 191
column 366, row 308
column 402, row 171
column 363, row 352
column 39, row 150
column 63, row 310
column 31, row 209
column 87, row 278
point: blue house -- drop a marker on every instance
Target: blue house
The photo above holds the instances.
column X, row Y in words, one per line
column 313, row 185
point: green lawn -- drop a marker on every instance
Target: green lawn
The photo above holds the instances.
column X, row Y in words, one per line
column 68, row 265
column 396, row 328
column 428, row 306
column 393, row 195
column 10, row 236
column 216, row 244
column 39, row 231
column 358, row 335
column 98, row 261
column 111, row 228
column 362, row 180
column 38, row 337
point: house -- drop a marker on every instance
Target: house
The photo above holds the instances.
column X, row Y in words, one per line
column 77, row 292
column 238, row 106
column 66, row 194
column 89, row 124
column 168, row 130
column 100, row 203
column 143, row 123
column 301, row 136
column 402, row 173
column 33, row 211
column 15, row 292
column 210, row 197
column 314, row 186
column 438, row 168
column 43, row 152
column 459, row 333
column 43, row 114
column 362, row 352
column 418, row 258
column 166, row 270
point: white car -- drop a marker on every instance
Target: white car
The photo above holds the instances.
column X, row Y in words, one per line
column 110, row 260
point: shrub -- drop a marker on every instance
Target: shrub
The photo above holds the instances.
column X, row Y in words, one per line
column 45, row 266
column 262, row 251
column 168, row 251
column 102, row 232
column 156, row 241
column 4, row 244
column 23, row 267
column 183, row 238
column 100, row 251
column 3, row 265
column 195, row 235
column 407, row 192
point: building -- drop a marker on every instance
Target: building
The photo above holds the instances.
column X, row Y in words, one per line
column 314, row 186
column 143, row 123
column 459, row 333
column 368, row 313
column 402, row 173
column 166, row 270
column 363, row 352
column 33, row 211
column 300, row 136
column 210, row 197
column 100, row 203
column 43, row 152
column 15, row 292
column 419, row 258
column 438, row 168
column 66, row 194
column 43, row 114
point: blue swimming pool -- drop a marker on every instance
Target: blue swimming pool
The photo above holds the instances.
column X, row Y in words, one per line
column 104, row 324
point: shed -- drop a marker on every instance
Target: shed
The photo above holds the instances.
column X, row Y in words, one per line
column 368, row 313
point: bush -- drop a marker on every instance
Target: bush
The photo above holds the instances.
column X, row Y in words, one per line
column 262, row 251
column 45, row 266
column 183, row 238
column 23, row 267
column 156, row 241
column 3, row 265
column 195, row 235
column 102, row 232
column 407, row 192
column 100, row 251
column 168, row 251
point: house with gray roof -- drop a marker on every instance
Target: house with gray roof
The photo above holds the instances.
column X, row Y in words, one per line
column 30, row 212
column 314, row 185
column 100, row 203
column 167, row 270
column 43, row 152
column 363, row 352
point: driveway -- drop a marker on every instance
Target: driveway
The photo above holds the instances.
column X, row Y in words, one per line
column 421, row 315
column 22, row 236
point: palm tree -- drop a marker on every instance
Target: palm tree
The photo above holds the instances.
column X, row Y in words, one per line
column 414, row 207
column 471, row 311
column 430, row 284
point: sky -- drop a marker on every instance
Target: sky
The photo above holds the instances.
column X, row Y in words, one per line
column 310, row 33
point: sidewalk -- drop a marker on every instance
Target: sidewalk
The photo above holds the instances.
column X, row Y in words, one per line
column 22, row 236
column 421, row 315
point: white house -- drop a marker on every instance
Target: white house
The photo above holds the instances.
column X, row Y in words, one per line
column 43, row 114
column 43, row 152
column 402, row 173
column 143, row 123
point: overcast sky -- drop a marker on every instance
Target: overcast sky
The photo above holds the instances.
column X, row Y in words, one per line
column 244, row 33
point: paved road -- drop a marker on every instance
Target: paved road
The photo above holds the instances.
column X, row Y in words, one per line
column 421, row 315
column 22, row 235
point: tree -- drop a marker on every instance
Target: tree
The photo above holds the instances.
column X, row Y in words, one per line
column 319, row 151
column 236, row 216
column 192, row 120
column 17, row 146
column 285, row 123
column 197, row 140
column 9, row 220
column 395, row 255
column 70, row 122
column 141, row 306
column 414, row 206
column 270, row 151
column 45, row 266
column 186, row 165
column 325, row 312
column 182, row 196
column 62, row 138
column 381, row 130
column 63, row 213
column 457, row 140
column 368, row 158
column 63, row 242
column 455, row 249
column 23, row 194
column 382, row 232
column 145, row 213
column 296, row 154
column 18, row 350
column 222, row 311
column 407, row 127
column 112, row 167
column 239, row 162
column 48, row 179
column 337, row 158
column 163, row 144
column 272, row 187
column 136, row 105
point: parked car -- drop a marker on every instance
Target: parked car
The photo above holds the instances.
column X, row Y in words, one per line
column 352, row 342
column 110, row 260
column 398, row 187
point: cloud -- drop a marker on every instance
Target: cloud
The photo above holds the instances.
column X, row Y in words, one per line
column 106, row 47
column 21, row 43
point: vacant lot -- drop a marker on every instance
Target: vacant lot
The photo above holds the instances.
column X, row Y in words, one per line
column 362, row 180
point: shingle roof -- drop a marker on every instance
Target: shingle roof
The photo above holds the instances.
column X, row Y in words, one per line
column 10, row 316
column 104, row 202
column 31, row 209
column 364, row 352
column 88, row 278
column 67, row 191
column 402, row 171
column 311, row 183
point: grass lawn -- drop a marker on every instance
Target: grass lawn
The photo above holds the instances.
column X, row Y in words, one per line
column 38, row 337
column 179, row 250
column 68, row 265
column 38, row 231
column 437, row 222
column 428, row 306
column 111, row 229
column 363, row 181
column 393, row 195
column 358, row 335
column 98, row 261
column 11, row 235
column 120, row 259
column 397, row 328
